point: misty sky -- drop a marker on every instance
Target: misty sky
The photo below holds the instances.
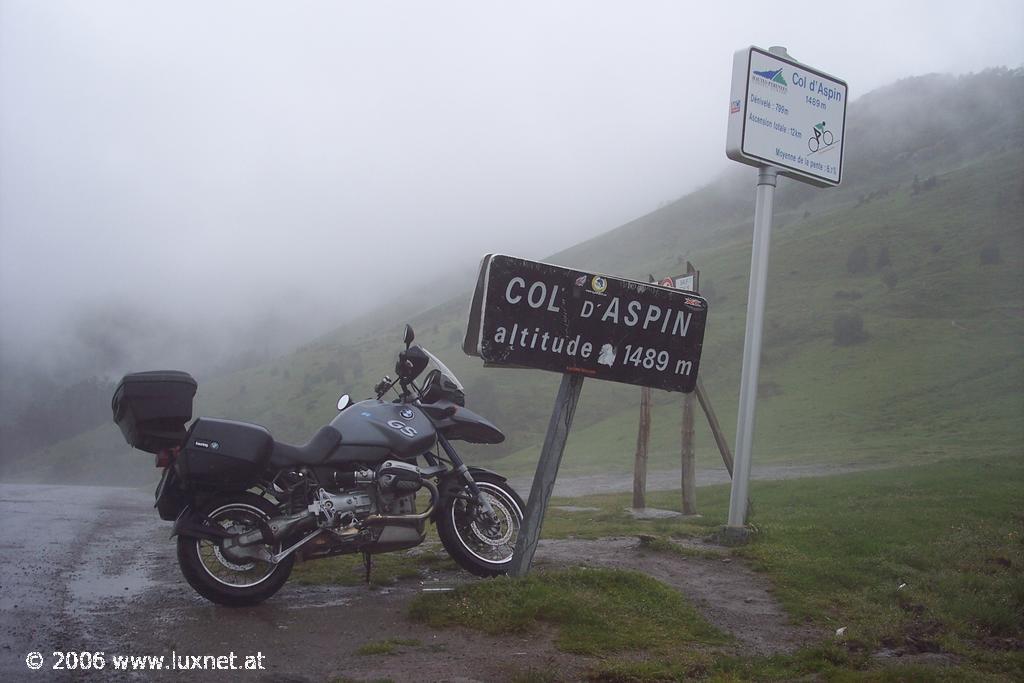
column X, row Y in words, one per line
column 252, row 157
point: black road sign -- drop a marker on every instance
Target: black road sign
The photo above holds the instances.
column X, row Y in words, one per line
column 536, row 315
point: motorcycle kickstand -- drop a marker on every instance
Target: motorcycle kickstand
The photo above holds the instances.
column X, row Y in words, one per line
column 368, row 563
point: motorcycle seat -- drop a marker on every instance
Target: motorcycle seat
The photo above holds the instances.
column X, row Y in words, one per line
column 313, row 452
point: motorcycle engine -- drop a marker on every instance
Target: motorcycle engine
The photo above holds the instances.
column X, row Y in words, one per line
column 335, row 507
column 397, row 484
column 399, row 477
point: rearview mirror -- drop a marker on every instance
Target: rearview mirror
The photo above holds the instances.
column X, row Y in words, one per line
column 409, row 336
column 344, row 402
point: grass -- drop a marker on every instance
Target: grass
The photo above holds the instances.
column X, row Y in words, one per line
column 824, row 663
column 388, row 568
column 386, row 647
column 595, row 611
column 837, row 550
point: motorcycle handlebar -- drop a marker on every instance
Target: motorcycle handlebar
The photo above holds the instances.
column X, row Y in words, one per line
column 382, row 386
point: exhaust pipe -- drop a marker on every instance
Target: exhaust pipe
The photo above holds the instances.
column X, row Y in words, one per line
column 408, row 519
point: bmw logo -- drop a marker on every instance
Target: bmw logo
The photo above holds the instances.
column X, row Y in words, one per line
column 407, row 413
column 214, row 445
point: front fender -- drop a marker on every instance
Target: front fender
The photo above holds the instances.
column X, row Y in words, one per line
column 452, row 482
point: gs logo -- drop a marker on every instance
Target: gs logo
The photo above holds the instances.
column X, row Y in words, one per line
column 402, row 427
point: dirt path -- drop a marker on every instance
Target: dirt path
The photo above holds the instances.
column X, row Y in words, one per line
column 728, row 594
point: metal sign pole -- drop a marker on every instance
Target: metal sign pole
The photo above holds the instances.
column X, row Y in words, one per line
column 547, row 471
column 763, row 207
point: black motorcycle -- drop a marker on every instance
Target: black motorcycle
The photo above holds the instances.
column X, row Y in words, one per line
column 245, row 506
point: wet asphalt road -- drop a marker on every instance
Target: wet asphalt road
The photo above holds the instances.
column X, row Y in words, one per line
column 61, row 563
column 92, row 569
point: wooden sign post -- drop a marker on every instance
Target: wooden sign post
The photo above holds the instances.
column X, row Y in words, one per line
column 688, row 457
column 643, row 440
column 529, row 314
column 688, row 470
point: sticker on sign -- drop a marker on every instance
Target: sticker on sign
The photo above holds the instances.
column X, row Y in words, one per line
column 783, row 113
column 685, row 282
column 537, row 315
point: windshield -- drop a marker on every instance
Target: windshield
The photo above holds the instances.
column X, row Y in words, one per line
column 444, row 369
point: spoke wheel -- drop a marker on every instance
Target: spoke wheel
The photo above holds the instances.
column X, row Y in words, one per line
column 483, row 546
column 235, row 518
column 225, row 577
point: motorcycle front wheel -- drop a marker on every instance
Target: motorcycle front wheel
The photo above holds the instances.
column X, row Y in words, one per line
column 218, row 577
column 480, row 546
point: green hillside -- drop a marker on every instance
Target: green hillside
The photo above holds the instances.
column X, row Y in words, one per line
column 915, row 263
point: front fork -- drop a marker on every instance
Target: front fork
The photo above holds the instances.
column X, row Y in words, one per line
column 460, row 467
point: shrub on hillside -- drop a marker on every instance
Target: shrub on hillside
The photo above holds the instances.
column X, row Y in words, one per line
column 918, row 186
column 848, row 329
column 857, row 260
column 990, row 255
column 334, row 371
column 883, row 257
column 890, row 278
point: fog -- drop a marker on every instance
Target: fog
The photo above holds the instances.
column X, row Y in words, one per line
column 185, row 183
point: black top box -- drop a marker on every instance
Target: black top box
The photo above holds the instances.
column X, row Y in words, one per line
column 152, row 408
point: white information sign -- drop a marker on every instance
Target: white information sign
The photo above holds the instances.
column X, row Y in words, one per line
column 788, row 115
column 684, row 282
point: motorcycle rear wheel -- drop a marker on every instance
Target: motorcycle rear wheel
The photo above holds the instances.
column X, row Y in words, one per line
column 215, row 576
column 480, row 548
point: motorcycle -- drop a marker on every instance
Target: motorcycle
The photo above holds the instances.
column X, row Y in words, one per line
column 246, row 506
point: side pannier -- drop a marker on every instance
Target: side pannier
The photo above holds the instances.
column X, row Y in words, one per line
column 224, row 454
column 152, row 408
